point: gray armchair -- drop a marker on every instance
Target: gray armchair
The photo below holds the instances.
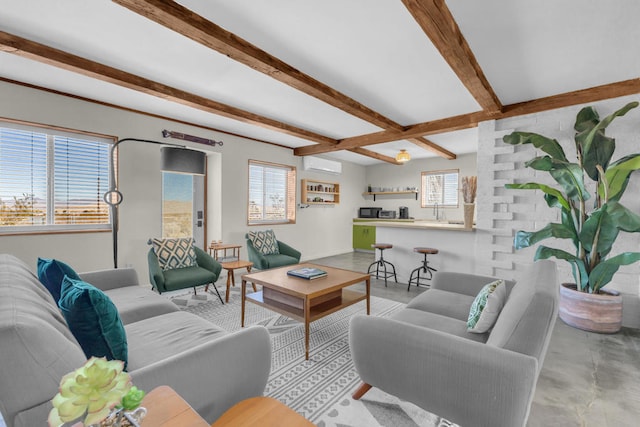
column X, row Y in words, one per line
column 205, row 273
column 470, row 379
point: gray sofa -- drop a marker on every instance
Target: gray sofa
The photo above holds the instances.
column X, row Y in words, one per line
column 424, row 354
column 210, row 368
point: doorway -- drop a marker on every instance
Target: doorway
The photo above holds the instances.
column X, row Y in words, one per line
column 183, row 206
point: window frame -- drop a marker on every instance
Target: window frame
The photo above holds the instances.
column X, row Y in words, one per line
column 290, row 193
column 423, row 191
column 52, row 132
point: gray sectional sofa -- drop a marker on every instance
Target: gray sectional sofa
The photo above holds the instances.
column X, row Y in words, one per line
column 210, row 368
column 424, row 354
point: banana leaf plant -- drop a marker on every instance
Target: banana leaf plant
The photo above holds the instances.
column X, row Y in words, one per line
column 592, row 226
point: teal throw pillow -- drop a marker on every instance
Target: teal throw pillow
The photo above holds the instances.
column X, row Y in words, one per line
column 175, row 253
column 265, row 242
column 486, row 307
column 94, row 320
column 51, row 272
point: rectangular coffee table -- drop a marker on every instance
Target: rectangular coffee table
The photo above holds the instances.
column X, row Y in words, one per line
column 305, row 300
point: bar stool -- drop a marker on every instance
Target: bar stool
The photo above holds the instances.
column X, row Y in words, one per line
column 380, row 262
column 424, row 267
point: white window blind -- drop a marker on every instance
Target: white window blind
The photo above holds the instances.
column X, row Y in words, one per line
column 271, row 193
column 440, row 187
column 52, row 180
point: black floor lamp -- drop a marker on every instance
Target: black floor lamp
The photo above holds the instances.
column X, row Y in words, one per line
column 174, row 158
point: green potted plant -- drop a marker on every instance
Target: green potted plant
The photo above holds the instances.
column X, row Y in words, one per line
column 591, row 223
column 101, row 392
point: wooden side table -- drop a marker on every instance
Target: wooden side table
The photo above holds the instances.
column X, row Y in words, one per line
column 233, row 265
column 261, row 412
column 165, row 408
column 214, row 248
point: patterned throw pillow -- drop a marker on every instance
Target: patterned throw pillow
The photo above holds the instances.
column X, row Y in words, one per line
column 264, row 241
column 486, row 307
column 175, row 253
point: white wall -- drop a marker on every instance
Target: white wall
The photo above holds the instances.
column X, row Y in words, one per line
column 502, row 212
column 140, row 182
column 408, row 175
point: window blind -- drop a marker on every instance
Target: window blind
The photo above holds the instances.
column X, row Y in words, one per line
column 440, row 188
column 52, row 180
column 271, row 193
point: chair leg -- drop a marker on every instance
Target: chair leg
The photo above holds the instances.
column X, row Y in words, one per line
column 217, row 292
column 364, row 387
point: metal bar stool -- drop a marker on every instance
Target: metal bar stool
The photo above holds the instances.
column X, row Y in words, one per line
column 424, row 267
column 380, row 262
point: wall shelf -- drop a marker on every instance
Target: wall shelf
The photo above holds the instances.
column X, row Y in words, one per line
column 378, row 193
column 314, row 192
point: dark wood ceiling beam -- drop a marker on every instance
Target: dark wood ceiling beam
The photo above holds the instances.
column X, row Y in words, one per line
column 186, row 22
column 434, row 148
column 436, row 21
column 38, row 52
column 377, row 156
column 465, row 121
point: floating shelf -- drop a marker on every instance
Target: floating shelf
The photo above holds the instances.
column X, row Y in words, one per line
column 375, row 193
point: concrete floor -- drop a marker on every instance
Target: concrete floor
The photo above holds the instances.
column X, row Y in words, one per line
column 587, row 379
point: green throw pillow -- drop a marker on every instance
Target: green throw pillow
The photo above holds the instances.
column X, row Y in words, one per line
column 94, row 320
column 175, row 253
column 51, row 272
column 486, row 307
column 265, row 242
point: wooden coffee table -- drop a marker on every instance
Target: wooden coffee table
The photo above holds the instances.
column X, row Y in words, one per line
column 305, row 300
column 261, row 412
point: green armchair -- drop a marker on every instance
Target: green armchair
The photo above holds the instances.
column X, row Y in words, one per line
column 287, row 256
column 205, row 273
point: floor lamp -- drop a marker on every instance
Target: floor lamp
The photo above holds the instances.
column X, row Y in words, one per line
column 174, row 158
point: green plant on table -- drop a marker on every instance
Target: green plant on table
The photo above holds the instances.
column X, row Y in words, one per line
column 93, row 391
column 592, row 227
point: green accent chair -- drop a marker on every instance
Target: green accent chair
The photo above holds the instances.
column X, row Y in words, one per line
column 287, row 256
column 205, row 273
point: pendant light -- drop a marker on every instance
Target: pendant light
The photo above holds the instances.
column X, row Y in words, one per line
column 403, row 156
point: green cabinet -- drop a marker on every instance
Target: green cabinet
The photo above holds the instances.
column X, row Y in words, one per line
column 364, row 236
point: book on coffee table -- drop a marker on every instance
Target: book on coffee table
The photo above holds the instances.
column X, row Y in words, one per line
column 307, row 273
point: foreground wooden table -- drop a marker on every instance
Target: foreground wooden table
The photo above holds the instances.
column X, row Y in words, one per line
column 305, row 300
column 165, row 407
column 261, row 412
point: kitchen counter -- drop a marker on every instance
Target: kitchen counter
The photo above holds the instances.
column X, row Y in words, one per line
column 421, row 224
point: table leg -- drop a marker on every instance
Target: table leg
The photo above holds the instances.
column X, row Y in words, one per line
column 307, row 318
column 228, row 285
column 368, row 295
column 233, row 279
column 244, row 294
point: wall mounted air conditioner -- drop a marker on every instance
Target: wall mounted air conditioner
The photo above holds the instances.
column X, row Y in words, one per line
column 317, row 164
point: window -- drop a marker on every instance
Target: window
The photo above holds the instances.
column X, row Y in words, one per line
column 52, row 180
column 440, row 187
column 272, row 193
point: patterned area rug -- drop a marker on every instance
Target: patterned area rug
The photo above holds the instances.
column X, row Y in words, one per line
column 320, row 389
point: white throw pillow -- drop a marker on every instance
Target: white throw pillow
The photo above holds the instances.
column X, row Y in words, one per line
column 486, row 307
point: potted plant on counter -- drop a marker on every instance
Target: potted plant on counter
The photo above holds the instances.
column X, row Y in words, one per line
column 590, row 222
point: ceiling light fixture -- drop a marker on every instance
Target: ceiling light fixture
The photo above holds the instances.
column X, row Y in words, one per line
column 403, row 156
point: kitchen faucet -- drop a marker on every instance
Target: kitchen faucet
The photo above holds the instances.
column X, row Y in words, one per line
column 436, row 211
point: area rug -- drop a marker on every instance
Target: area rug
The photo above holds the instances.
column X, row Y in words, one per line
column 319, row 388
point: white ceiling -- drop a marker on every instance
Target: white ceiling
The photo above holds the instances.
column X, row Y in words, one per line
column 373, row 51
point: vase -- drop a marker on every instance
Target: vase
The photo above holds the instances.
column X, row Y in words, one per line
column 121, row 418
column 468, row 214
column 601, row 313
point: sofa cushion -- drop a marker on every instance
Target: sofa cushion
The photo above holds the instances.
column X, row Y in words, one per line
column 265, row 242
column 450, row 304
column 437, row 322
column 486, row 307
column 156, row 339
column 175, row 253
column 93, row 319
column 135, row 303
column 51, row 272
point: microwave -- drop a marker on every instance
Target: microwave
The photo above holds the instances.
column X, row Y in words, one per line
column 368, row 212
